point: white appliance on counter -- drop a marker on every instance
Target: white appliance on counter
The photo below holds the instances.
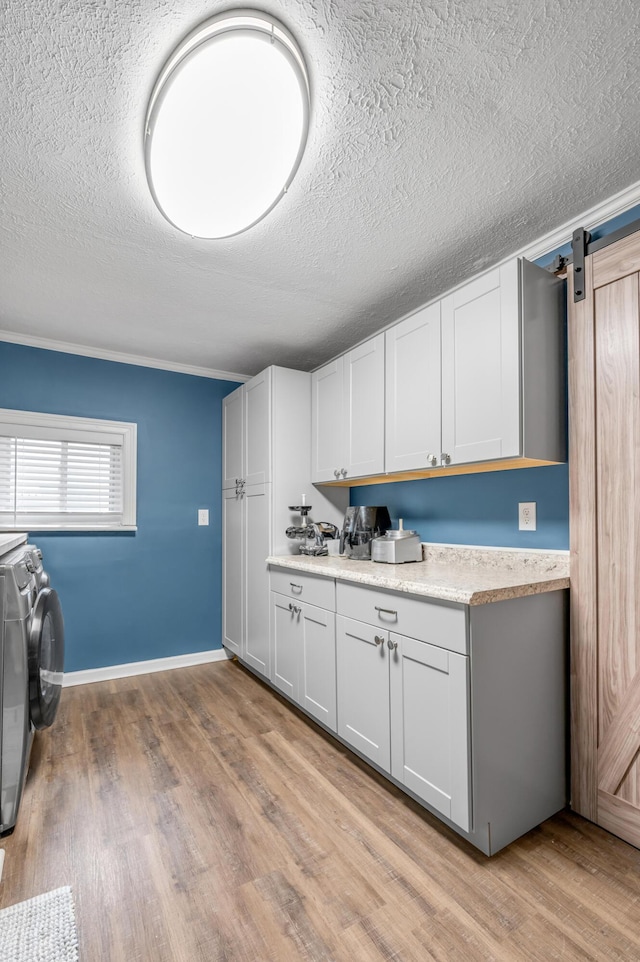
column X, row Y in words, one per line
column 397, row 546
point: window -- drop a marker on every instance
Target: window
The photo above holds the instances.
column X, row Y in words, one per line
column 66, row 473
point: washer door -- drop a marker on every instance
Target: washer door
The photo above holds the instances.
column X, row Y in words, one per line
column 46, row 658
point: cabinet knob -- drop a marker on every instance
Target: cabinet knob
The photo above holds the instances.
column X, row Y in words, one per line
column 392, row 644
column 445, row 458
column 432, row 460
column 378, row 639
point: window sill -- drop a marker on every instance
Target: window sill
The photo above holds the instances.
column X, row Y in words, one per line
column 71, row 527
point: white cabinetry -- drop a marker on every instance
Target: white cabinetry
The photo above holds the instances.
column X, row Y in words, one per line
column 363, row 690
column 304, row 642
column 413, row 393
column 429, row 713
column 266, row 468
column 481, row 368
column 304, row 656
column 461, row 706
column 328, row 427
column 477, row 377
column 348, row 414
column 404, row 703
column 246, row 520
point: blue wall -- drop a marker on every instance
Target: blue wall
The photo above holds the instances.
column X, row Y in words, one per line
column 479, row 508
column 155, row 592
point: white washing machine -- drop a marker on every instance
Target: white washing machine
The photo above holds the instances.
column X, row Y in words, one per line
column 31, row 667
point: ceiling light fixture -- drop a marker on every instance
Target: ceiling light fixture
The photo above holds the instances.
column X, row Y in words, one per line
column 227, row 124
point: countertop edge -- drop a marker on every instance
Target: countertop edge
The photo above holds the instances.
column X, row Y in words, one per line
column 456, row 593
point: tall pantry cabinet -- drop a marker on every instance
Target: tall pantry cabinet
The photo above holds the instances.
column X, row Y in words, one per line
column 266, row 469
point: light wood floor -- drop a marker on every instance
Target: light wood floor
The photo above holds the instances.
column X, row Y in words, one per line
column 197, row 816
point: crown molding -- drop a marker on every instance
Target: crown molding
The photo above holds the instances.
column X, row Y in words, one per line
column 48, row 344
column 596, row 216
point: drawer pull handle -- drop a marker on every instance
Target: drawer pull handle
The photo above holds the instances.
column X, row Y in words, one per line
column 298, row 587
column 378, row 639
column 386, row 611
column 391, row 645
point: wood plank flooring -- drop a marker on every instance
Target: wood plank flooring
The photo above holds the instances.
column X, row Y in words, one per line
column 198, row 816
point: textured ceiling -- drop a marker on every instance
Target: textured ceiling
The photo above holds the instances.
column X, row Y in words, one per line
column 444, row 136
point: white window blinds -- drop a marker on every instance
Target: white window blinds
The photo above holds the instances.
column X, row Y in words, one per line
column 59, row 472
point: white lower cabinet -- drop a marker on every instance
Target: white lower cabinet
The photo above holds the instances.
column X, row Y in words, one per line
column 246, row 527
column 304, row 656
column 403, row 704
column 429, row 715
column 462, row 706
column 363, row 689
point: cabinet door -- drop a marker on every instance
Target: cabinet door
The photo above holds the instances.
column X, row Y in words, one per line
column 430, row 725
column 257, row 539
column 363, row 689
column 257, row 429
column 286, row 634
column 364, row 408
column 413, row 403
column 233, row 438
column 327, row 422
column 232, row 570
column 318, row 665
column 481, row 368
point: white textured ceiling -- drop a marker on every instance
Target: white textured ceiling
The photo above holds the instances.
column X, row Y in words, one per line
column 444, row 136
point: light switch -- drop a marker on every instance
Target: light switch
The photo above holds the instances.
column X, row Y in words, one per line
column 203, row 516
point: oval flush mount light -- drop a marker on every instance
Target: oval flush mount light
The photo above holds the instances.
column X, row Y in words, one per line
column 227, row 124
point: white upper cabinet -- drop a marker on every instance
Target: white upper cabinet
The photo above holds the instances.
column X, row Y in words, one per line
column 413, row 405
column 232, row 438
column 477, row 377
column 364, row 408
column 481, row 369
column 327, row 421
column 348, row 414
column 257, row 433
column 246, row 433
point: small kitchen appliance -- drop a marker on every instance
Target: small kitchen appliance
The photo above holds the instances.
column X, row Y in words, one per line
column 397, row 546
column 311, row 534
column 362, row 523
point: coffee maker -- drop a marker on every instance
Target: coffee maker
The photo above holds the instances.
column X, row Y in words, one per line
column 362, row 524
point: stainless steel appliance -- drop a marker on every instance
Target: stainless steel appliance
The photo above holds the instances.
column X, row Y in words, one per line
column 397, row 546
column 312, row 535
column 31, row 663
column 362, row 523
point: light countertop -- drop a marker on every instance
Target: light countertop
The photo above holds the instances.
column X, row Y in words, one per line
column 467, row 575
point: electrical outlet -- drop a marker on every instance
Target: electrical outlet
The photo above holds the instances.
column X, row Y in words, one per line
column 203, row 516
column 527, row 516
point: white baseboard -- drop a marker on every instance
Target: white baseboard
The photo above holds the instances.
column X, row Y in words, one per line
column 90, row 675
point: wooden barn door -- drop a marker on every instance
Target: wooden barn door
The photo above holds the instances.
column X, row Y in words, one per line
column 604, row 432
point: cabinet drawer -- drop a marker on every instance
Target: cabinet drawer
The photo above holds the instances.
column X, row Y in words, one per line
column 313, row 589
column 441, row 624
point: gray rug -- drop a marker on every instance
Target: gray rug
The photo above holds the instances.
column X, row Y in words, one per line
column 42, row 929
